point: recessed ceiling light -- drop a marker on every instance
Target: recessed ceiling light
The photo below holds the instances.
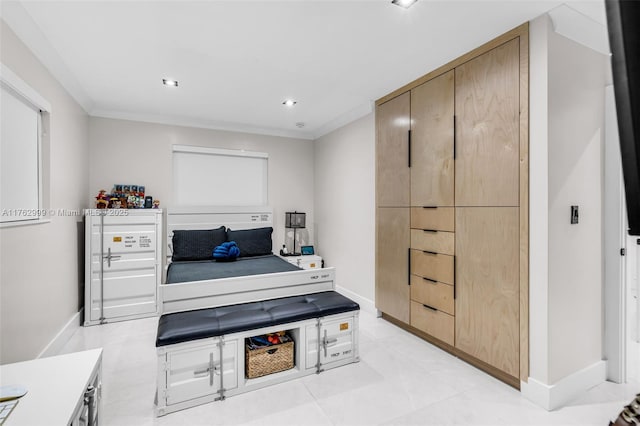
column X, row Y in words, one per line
column 404, row 3
column 289, row 102
column 168, row 82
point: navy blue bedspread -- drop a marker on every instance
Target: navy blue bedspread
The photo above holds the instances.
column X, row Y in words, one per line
column 180, row 272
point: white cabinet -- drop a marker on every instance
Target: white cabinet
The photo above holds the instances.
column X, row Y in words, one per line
column 122, row 264
column 198, row 372
column 338, row 344
column 311, row 261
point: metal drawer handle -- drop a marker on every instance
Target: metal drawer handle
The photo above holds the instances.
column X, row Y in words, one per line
column 430, row 280
column 209, row 371
column 326, row 342
column 430, row 307
column 330, row 342
column 430, row 230
column 110, row 257
column 429, row 207
column 201, row 373
column 432, row 253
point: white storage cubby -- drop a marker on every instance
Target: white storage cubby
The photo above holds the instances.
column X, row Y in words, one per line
column 189, row 372
column 122, row 264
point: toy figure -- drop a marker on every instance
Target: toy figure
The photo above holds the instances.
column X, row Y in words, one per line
column 156, row 204
column 115, row 204
column 102, row 201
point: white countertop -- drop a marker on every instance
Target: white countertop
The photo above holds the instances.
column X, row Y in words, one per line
column 54, row 386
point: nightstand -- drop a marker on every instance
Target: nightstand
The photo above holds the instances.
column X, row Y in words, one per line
column 311, row 261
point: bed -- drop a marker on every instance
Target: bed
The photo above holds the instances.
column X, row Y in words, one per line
column 192, row 280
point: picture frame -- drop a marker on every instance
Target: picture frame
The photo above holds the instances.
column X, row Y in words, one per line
column 307, row 250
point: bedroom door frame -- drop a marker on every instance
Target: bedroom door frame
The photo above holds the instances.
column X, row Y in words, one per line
column 615, row 240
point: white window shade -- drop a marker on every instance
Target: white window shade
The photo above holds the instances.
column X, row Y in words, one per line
column 219, row 177
column 23, row 115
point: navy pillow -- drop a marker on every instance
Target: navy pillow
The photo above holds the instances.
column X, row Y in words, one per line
column 196, row 244
column 252, row 242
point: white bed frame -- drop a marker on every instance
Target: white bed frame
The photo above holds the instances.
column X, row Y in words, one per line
column 228, row 291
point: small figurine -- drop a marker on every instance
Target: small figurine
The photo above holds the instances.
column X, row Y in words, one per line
column 156, row 204
column 102, row 201
column 115, row 204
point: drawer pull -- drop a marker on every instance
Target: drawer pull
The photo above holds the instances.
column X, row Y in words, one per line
column 430, row 230
column 409, row 266
column 201, row 373
column 430, row 280
column 429, row 207
column 429, row 307
column 432, row 253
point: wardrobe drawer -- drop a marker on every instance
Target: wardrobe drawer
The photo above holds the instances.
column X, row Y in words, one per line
column 433, row 322
column 438, row 218
column 433, row 241
column 432, row 265
column 432, row 293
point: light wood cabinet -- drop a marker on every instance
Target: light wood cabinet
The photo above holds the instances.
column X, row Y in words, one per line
column 392, row 260
column 465, row 183
column 433, row 322
column 433, row 293
column 436, row 218
column 487, row 128
column 432, row 265
column 432, row 170
column 433, row 241
column 392, row 152
column 487, row 285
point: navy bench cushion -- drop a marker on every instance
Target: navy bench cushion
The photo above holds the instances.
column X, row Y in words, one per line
column 192, row 325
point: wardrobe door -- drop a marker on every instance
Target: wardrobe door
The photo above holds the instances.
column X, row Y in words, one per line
column 432, row 168
column 392, row 152
column 487, row 128
column 487, row 285
column 392, row 262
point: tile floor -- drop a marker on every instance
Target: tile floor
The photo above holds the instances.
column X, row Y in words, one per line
column 400, row 380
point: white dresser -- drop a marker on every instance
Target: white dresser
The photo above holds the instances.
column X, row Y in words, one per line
column 61, row 390
column 122, row 264
column 310, row 261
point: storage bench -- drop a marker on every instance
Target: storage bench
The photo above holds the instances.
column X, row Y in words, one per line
column 201, row 354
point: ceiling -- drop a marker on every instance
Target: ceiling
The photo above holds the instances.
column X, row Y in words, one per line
column 237, row 61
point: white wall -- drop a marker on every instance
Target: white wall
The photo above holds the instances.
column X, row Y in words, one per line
column 567, row 124
column 538, row 201
column 576, row 129
column 41, row 265
column 345, row 204
column 132, row 152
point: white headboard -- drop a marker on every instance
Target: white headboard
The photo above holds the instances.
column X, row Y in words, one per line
column 210, row 217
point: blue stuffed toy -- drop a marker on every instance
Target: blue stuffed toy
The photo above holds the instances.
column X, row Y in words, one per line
column 226, row 251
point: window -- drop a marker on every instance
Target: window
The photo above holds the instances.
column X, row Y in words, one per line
column 23, row 118
column 219, row 177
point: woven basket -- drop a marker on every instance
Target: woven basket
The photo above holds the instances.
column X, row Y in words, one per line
column 268, row 360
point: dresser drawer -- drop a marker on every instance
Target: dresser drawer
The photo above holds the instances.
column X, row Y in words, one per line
column 439, row 218
column 435, row 323
column 439, row 267
column 433, row 241
column 432, row 293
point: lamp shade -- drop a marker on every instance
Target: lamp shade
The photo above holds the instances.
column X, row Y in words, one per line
column 295, row 220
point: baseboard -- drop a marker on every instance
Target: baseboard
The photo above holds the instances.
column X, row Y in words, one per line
column 551, row 397
column 55, row 346
column 365, row 304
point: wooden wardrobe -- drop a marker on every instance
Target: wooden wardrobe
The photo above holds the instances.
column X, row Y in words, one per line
column 452, row 206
